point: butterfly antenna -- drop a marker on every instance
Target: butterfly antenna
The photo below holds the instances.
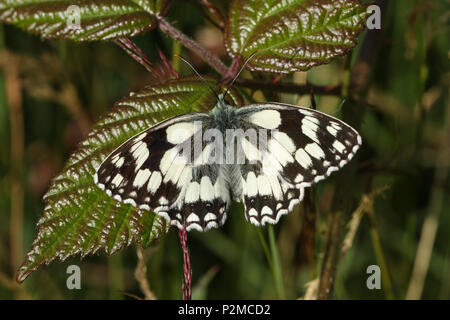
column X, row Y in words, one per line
column 240, row 70
column 198, row 74
column 340, row 105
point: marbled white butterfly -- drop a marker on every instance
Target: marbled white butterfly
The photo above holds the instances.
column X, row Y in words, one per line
column 300, row 147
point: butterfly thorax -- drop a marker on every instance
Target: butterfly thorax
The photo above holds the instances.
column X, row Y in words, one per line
column 223, row 116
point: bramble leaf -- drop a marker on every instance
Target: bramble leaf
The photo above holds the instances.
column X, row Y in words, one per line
column 80, row 218
column 292, row 35
column 98, row 20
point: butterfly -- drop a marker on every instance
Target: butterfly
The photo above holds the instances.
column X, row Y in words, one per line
column 189, row 168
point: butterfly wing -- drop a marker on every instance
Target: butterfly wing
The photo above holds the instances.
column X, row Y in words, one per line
column 303, row 146
column 151, row 171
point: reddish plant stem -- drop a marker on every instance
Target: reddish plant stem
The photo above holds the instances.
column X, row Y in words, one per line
column 194, row 46
column 167, row 65
column 136, row 53
column 186, row 285
column 215, row 12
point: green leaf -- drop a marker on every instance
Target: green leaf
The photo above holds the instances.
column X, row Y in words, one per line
column 293, row 35
column 99, row 20
column 79, row 218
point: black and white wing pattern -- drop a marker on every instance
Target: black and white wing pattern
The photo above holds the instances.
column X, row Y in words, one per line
column 294, row 148
column 150, row 172
column 302, row 148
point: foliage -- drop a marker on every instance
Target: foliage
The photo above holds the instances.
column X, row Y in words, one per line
column 99, row 20
column 394, row 83
column 293, row 35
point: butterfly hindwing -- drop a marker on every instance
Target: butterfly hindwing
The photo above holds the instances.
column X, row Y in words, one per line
column 303, row 146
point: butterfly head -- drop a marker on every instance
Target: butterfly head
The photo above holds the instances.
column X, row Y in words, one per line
column 223, row 114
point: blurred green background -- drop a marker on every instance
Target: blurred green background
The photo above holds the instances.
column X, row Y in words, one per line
column 51, row 93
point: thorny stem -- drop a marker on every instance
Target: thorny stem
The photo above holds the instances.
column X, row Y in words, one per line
column 193, row 45
column 136, row 53
column 186, row 285
column 215, row 12
column 227, row 73
column 167, row 65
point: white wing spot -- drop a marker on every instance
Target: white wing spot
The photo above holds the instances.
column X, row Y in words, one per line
column 140, row 137
column 192, row 192
column 211, row 224
column 266, row 211
column 336, row 125
column 120, row 162
column 175, row 170
column 251, row 151
column 281, row 154
column 263, row 185
column 210, row 216
column 299, row 178
column 314, row 150
column 312, row 119
column 303, row 158
column 306, row 112
column 275, row 186
column 332, row 131
column 154, row 182
column 179, row 132
column 163, row 201
column 252, row 185
column 141, row 178
column 338, row 146
column 167, row 159
column 206, row 189
column 117, row 180
column 269, row 119
column 309, row 129
column 284, row 140
column 140, row 154
column 192, row 218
